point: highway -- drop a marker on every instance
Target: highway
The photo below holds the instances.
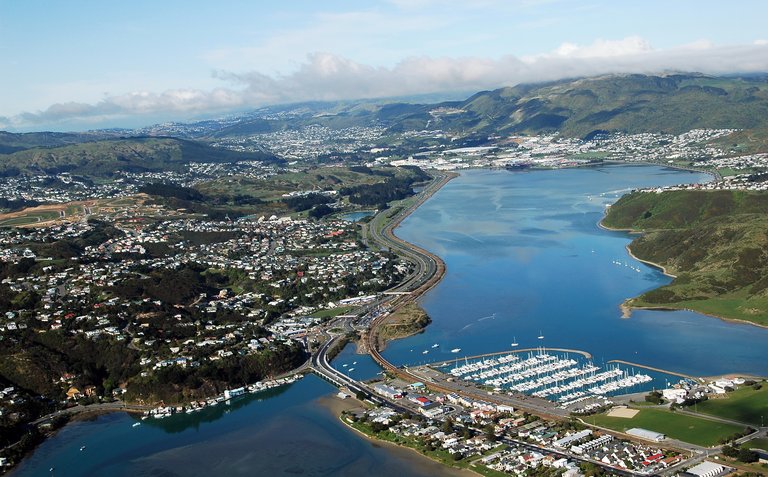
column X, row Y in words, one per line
column 428, row 270
column 323, row 368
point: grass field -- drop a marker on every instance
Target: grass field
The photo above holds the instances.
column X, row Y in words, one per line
column 332, row 312
column 743, row 405
column 685, row 428
column 738, row 306
column 757, row 444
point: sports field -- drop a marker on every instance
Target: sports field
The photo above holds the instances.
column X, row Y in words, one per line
column 678, row 426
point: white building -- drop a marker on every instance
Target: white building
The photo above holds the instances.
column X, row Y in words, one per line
column 707, row 469
column 646, row 434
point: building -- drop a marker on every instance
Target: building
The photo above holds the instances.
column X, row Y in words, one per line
column 707, row 469
column 646, row 434
column 675, row 395
column 432, row 410
column 592, row 445
column 568, row 440
column 387, row 391
column 230, row 393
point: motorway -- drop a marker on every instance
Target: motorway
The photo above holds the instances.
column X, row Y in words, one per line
column 428, row 270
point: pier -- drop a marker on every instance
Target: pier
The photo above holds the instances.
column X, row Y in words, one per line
column 524, row 350
column 658, row 370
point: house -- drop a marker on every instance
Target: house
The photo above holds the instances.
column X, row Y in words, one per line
column 74, row 393
column 674, row 395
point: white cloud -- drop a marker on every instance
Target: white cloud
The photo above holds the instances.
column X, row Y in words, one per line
column 325, row 76
column 603, row 48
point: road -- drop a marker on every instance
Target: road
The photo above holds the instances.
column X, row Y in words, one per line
column 103, row 407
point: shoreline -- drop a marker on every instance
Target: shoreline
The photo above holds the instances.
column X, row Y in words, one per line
column 710, row 315
column 335, row 406
column 658, row 266
column 627, row 309
column 387, row 232
column 390, row 321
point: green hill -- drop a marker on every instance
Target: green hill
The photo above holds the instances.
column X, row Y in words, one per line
column 13, row 142
column 103, row 158
column 626, row 103
column 714, row 242
column 575, row 107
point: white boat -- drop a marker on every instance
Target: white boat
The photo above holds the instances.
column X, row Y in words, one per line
column 426, row 351
column 455, row 350
column 136, row 424
column 435, row 345
column 350, row 370
column 82, row 448
column 514, row 342
column 541, row 336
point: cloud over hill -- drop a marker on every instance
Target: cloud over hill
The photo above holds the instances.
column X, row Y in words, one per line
column 326, row 76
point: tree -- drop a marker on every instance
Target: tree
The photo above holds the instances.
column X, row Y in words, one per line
column 591, row 470
column 730, row 451
column 490, row 432
column 746, row 455
column 654, row 397
column 447, row 426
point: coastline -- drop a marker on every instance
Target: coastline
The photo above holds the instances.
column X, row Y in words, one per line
column 711, row 315
column 658, row 266
column 715, row 174
column 387, row 233
column 627, row 309
column 336, row 406
column 392, row 320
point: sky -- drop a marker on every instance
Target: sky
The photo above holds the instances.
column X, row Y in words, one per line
column 87, row 64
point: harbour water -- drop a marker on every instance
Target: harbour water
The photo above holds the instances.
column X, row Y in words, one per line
column 525, row 258
column 283, row 432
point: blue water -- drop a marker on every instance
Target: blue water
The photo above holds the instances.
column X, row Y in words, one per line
column 289, row 434
column 355, row 216
column 525, row 257
column 357, row 366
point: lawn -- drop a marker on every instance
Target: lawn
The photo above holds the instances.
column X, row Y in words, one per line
column 685, row 428
column 333, row 312
column 757, row 444
column 743, row 405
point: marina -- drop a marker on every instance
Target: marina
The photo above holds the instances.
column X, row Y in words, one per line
column 569, row 378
